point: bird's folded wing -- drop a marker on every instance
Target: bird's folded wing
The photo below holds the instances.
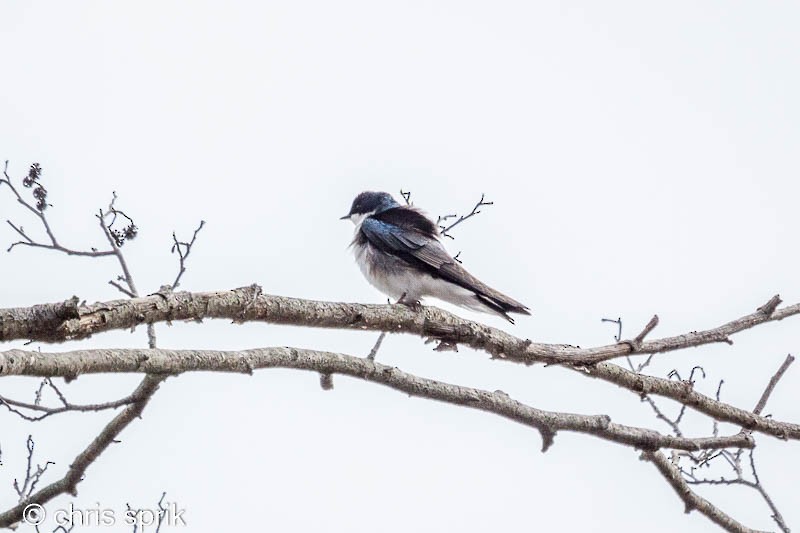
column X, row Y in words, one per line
column 421, row 251
column 427, row 253
column 407, row 244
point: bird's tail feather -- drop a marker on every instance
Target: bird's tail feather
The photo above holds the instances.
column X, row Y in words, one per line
column 502, row 304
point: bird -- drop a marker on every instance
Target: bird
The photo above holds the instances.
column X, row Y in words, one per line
column 398, row 250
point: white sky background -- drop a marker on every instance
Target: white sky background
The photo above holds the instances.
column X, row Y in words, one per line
column 641, row 159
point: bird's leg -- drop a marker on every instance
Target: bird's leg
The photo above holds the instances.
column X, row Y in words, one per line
column 415, row 305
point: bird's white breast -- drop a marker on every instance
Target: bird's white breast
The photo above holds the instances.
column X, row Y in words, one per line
column 395, row 278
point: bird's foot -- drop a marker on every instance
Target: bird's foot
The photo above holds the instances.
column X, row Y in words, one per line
column 415, row 305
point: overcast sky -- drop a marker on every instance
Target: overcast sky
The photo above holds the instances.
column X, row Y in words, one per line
column 642, row 159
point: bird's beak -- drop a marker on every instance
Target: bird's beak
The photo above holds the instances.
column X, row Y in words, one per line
column 346, row 217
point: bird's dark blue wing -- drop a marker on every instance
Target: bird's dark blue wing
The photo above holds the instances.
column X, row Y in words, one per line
column 408, row 244
column 408, row 218
column 408, row 235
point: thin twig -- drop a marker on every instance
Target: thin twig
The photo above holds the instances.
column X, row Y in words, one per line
column 645, row 364
column 673, row 424
column 40, row 214
column 443, row 231
column 769, row 307
column 690, row 499
column 121, row 289
column 11, row 405
column 735, row 460
column 647, row 329
column 374, row 351
column 183, row 249
column 692, row 479
column 77, row 468
column 126, row 273
column 101, row 216
column 762, row 402
column 618, row 322
column 776, row 514
column 32, row 477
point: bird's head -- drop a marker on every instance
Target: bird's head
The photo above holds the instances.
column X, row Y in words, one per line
column 368, row 203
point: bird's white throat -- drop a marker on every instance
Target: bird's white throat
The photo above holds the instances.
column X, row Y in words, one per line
column 358, row 218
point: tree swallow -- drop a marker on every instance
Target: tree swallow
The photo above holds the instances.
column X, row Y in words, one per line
column 398, row 251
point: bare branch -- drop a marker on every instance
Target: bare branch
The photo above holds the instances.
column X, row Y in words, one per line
column 121, row 289
column 692, row 479
column 734, row 460
column 769, row 307
column 58, row 322
column 428, row 322
column 11, row 405
column 129, row 231
column 68, row 484
column 326, row 381
column 374, row 351
column 762, row 402
column 641, row 366
column 165, row 362
column 32, row 477
column 183, row 249
column 42, row 323
column 116, row 241
column 443, row 230
column 40, row 214
column 618, row 322
column 21, row 232
column 673, row 424
column 162, row 512
column 135, row 402
column 683, row 392
column 637, row 342
column 692, row 501
column 776, row 514
column 126, row 274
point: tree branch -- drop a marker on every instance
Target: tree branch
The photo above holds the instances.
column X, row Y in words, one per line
column 54, row 244
column 443, row 230
column 689, row 497
column 44, row 323
column 762, row 402
column 47, row 314
column 248, row 304
column 183, row 249
column 706, row 457
column 69, row 483
column 32, row 477
column 166, row 362
column 12, row 406
column 683, row 392
column 69, row 320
